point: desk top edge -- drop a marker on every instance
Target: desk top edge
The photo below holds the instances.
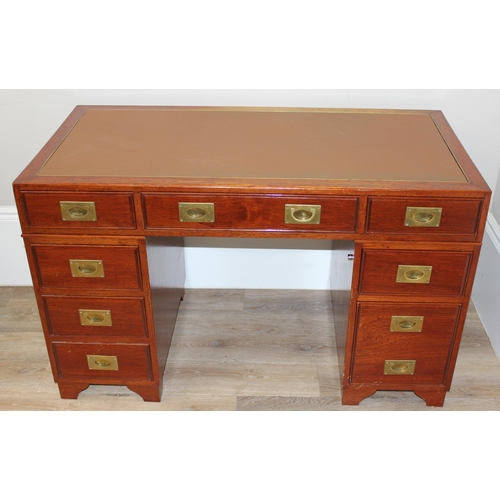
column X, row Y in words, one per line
column 33, row 173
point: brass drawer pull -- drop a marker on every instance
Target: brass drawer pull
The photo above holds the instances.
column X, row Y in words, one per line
column 86, row 268
column 78, row 210
column 407, row 323
column 302, row 214
column 414, row 274
column 423, row 216
column 95, row 318
column 399, row 367
column 102, row 362
column 196, row 212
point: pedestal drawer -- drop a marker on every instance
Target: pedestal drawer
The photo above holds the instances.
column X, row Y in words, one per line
column 111, row 362
column 423, row 216
column 88, row 266
column 403, row 342
column 425, row 273
column 79, row 210
column 96, row 317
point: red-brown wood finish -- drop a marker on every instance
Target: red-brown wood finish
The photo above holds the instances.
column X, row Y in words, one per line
column 430, row 348
column 256, row 213
column 134, row 361
column 379, row 271
column 120, row 266
column 128, row 316
column 135, row 164
column 459, row 217
column 115, row 210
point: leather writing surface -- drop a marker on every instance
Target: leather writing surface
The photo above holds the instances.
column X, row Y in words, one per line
column 255, row 144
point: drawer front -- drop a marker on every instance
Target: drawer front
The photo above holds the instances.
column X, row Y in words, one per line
column 421, row 333
column 397, row 272
column 79, row 210
column 96, row 317
column 88, row 266
column 335, row 214
column 423, row 216
column 112, row 362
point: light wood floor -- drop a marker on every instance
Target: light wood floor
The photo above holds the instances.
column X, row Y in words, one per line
column 234, row 350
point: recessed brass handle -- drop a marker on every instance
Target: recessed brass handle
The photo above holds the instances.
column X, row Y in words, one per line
column 302, row 214
column 405, row 324
column 95, row 317
column 102, row 362
column 414, row 274
column 78, row 210
column 423, row 216
column 408, row 324
column 399, row 367
column 196, row 212
column 86, row 268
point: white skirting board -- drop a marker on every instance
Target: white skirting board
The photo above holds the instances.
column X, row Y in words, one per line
column 269, row 263
column 14, row 270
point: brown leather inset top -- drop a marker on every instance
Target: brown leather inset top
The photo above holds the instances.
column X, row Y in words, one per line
column 255, row 144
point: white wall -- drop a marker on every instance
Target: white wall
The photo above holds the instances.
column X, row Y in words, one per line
column 495, row 204
column 486, row 292
column 29, row 117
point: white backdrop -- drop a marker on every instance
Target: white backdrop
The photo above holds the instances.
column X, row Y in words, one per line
column 271, row 44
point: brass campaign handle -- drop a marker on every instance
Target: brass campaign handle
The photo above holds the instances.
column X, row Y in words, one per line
column 78, row 210
column 413, row 274
column 95, row 317
column 86, row 268
column 302, row 214
column 196, row 212
column 423, row 216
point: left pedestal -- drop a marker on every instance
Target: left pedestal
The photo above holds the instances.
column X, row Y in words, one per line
column 108, row 308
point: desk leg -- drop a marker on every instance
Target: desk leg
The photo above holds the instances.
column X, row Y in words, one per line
column 431, row 397
column 353, row 395
column 71, row 390
column 151, row 393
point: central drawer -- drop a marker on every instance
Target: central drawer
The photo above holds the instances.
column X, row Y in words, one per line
column 305, row 213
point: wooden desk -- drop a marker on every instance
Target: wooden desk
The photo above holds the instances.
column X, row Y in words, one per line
column 106, row 203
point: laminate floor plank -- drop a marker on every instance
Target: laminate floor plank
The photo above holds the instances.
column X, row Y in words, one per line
column 241, row 338
column 329, row 380
column 245, row 350
column 241, row 379
column 18, row 310
column 214, row 299
column 105, row 398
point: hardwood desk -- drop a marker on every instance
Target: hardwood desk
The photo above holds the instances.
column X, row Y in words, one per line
column 106, row 203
